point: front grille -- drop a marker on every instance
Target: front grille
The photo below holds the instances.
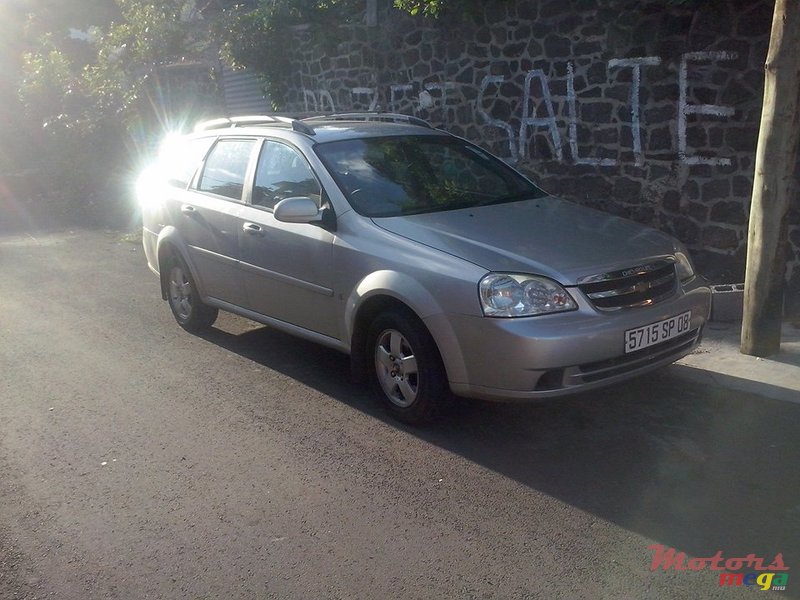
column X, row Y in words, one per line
column 642, row 285
column 597, row 371
column 632, row 363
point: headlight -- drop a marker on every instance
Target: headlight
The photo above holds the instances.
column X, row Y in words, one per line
column 513, row 295
column 683, row 266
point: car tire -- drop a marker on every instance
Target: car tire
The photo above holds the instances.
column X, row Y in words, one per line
column 407, row 369
column 189, row 310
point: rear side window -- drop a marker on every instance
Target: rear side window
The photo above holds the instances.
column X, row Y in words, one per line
column 226, row 168
column 179, row 161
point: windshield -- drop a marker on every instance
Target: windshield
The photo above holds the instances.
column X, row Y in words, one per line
column 394, row 176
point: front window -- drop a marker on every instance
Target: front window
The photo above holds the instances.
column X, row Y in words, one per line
column 283, row 173
column 393, row 176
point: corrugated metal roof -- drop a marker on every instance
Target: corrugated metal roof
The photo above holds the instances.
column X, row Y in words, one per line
column 244, row 92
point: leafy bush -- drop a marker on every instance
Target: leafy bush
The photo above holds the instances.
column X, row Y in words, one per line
column 429, row 8
column 257, row 37
column 88, row 112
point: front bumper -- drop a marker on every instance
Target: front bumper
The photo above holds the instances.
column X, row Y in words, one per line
column 554, row 355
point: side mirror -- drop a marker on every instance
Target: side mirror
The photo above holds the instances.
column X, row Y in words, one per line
column 300, row 209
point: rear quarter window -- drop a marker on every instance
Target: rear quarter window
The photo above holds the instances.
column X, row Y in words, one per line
column 180, row 160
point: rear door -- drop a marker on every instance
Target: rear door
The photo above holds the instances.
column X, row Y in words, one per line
column 287, row 267
column 208, row 218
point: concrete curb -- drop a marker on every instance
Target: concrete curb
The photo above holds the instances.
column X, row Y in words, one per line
column 718, row 362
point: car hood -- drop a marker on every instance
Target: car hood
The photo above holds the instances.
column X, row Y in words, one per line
column 545, row 236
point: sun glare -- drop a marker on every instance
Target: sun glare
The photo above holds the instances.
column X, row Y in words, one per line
column 152, row 180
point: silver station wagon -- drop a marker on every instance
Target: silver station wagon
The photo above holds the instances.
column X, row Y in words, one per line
column 438, row 268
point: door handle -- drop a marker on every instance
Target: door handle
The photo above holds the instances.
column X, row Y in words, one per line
column 188, row 209
column 252, row 229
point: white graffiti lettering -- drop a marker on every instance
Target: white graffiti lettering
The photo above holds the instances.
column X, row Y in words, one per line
column 572, row 127
column 684, row 108
column 488, row 81
column 537, row 110
column 636, row 123
column 532, row 121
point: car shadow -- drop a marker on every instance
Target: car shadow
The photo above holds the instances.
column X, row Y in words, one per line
column 688, row 465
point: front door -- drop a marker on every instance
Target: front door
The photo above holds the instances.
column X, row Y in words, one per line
column 287, row 267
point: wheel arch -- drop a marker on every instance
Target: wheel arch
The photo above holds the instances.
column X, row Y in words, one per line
column 169, row 244
column 389, row 290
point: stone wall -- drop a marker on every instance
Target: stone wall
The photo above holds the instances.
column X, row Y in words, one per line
column 640, row 109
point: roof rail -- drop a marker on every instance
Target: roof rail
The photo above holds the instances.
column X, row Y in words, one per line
column 251, row 120
column 224, row 122
column 372, row 116
column 301, row 127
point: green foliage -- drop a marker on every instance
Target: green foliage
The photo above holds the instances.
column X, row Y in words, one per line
column 88, row 103
column 125, row 56
column 63, row 127
column 259, row 37
column 130, row 52
column 50, row 90
column 429, row 8
column 438, row 8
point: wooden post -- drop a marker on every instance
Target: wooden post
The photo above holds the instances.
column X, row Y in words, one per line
column 776, row 158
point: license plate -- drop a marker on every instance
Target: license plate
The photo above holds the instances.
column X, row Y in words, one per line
column 655, row 333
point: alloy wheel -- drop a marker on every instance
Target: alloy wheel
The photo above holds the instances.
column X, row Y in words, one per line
column 396, row 367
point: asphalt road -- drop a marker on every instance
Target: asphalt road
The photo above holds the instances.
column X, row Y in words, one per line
column 138, row 461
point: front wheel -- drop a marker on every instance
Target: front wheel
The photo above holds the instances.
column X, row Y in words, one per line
column 189, row 311
column 408, row 369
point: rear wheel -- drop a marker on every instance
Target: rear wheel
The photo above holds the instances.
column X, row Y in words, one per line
column 189, row 311
column 408, row 369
